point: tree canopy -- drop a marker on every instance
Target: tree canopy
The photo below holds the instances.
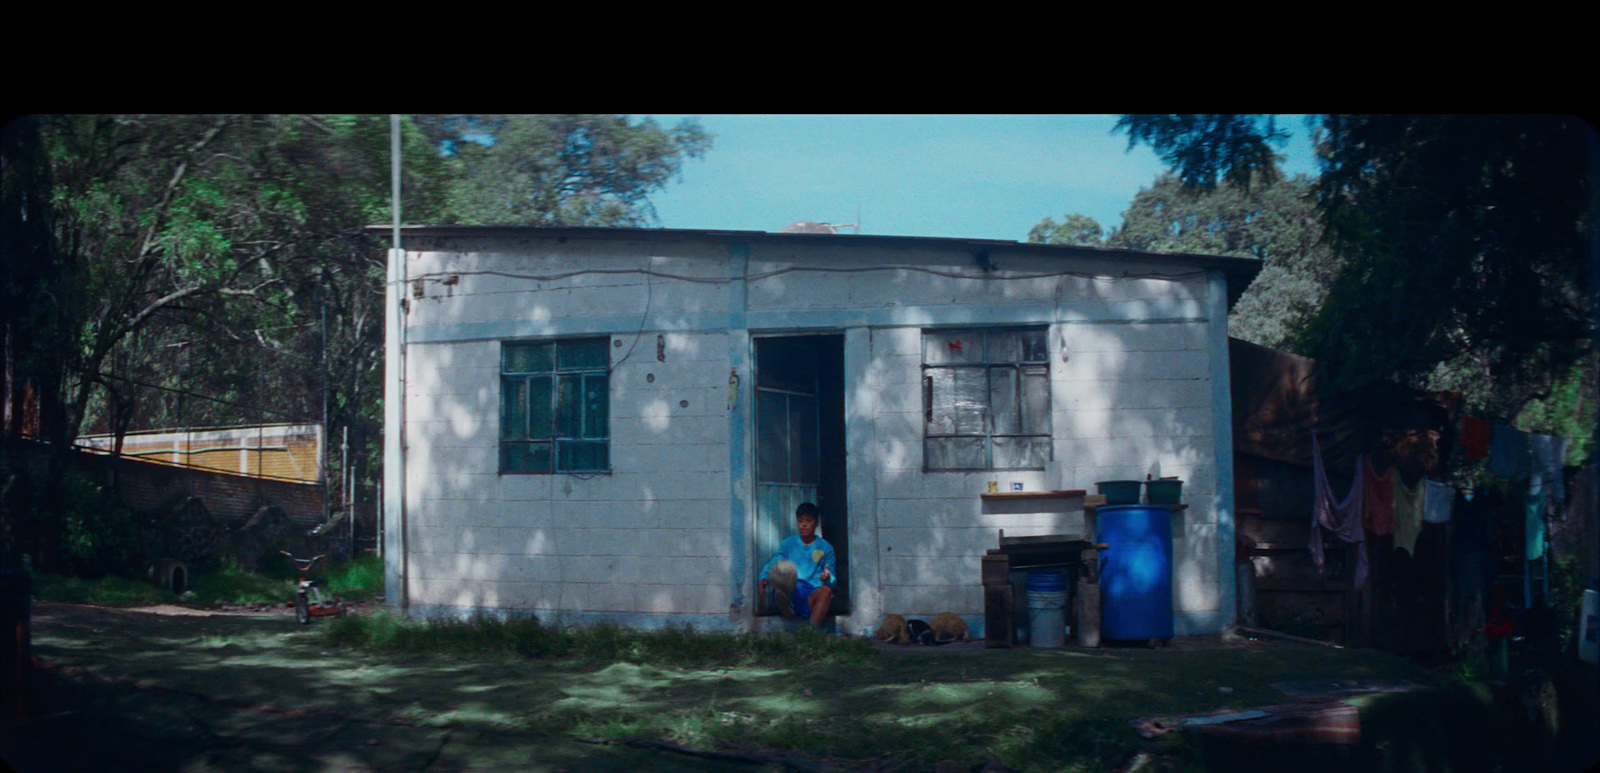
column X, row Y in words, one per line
column 1465, row 242
column 561, row 169
column 183, row 270
column 1074, row 229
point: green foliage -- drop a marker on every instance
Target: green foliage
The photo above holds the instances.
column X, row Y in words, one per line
column 681, row 647
column 1276, row 222
column 359, row 579
column 1568, row 409
column 1486, row 217
column 1208, row 149
column 108, row 591
column 594, row 170
column 231, row 584
column 1074, row 229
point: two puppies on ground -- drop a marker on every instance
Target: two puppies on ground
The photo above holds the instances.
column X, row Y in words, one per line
column 944, row 629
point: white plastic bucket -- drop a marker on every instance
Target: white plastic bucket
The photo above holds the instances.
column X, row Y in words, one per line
column 1047, row 619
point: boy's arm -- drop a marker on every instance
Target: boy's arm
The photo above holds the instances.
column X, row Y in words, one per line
column 762, row 576
column 828, row 564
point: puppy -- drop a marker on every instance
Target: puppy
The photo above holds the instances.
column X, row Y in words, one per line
column 920, row 632
column 893, row 629
column 949, row 627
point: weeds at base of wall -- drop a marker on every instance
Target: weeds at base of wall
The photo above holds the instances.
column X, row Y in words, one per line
column 681, row 647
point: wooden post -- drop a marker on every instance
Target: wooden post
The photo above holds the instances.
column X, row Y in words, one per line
column 1086, row 626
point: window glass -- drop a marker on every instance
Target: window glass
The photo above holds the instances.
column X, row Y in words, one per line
column 555, row 406
column 583, row 355
column 528, row 358
column 986, row 399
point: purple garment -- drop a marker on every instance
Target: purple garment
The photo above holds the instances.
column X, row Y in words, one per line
column 1341, row 518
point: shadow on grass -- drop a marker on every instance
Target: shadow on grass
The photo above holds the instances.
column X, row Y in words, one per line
column 1030, row 709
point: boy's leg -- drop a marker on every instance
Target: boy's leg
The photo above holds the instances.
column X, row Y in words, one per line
column 802, row 600
column 819, row 601
column 781, row 586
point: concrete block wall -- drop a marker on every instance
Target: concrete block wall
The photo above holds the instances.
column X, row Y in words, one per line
column 654, row 541
column 650, row 542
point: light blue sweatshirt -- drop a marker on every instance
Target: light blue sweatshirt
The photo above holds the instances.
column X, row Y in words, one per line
column 809, row 560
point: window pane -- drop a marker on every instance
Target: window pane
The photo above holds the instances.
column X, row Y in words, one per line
column 1011, row 453
column 772, row 437
column 525, row 457
column 539, row 406
column 952, row 346
column 583, row 355
column 1035, row 400
column 527, row 358
column 513, row 408
column 582, row 456
column 596, row 406
column 960, row 401
column 1034, row 348
column 954, row 453
column 1005, row 346
column 803, row 430
column 1003, row 400
column 569, row 410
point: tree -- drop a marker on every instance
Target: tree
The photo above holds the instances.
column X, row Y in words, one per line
column 1074, row 229
column 594, row 170
column 1275, row 222
column 225, row 259
column 1465, row 242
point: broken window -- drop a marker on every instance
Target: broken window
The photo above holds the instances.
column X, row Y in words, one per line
column 555, row 401
column 985, row 399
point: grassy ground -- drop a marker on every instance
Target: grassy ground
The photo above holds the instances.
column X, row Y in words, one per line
column 539, row 697
column 359, row 579
column 830, row 698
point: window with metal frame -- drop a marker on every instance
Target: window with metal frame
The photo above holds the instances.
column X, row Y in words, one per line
column 986, row 399
column 555, row 403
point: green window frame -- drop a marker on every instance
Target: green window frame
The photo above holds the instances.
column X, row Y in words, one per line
column 986, row 399
column 555, row 406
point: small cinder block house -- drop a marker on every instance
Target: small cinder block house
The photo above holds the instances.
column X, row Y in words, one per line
column 618, row 423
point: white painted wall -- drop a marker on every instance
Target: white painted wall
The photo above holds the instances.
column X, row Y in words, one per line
column 660, row 541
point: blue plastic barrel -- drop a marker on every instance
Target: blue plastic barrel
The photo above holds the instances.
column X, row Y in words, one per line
column 1136, row 571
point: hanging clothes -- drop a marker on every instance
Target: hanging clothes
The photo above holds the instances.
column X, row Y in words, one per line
column 1549, row 454
column 1475, row 434
column 1508, row 453
column 1437, row 500
column 1343, row 518
column 1407, row 514
column 1377, row 509
column 1533, row 523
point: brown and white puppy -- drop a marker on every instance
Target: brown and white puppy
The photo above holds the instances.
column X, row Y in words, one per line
column 893, row 629
column 949, row 627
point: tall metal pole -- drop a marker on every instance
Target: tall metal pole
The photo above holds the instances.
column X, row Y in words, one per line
column 396, row 574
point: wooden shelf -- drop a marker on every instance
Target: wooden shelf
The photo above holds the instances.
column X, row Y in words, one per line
column 1016, row 495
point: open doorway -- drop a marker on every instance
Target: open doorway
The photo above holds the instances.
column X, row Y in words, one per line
column 800, row 444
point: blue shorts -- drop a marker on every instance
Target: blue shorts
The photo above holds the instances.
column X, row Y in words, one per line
column 800, row 599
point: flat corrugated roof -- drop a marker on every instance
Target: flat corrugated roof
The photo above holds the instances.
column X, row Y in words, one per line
column 1240, row 271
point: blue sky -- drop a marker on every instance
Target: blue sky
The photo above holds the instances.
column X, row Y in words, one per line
column 960, row 176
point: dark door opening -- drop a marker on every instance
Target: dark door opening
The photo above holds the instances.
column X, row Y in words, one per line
column 800, row 444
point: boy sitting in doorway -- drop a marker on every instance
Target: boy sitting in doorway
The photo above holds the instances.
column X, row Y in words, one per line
column 800, row 576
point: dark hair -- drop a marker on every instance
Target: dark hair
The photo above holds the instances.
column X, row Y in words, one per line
column 806, row 508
